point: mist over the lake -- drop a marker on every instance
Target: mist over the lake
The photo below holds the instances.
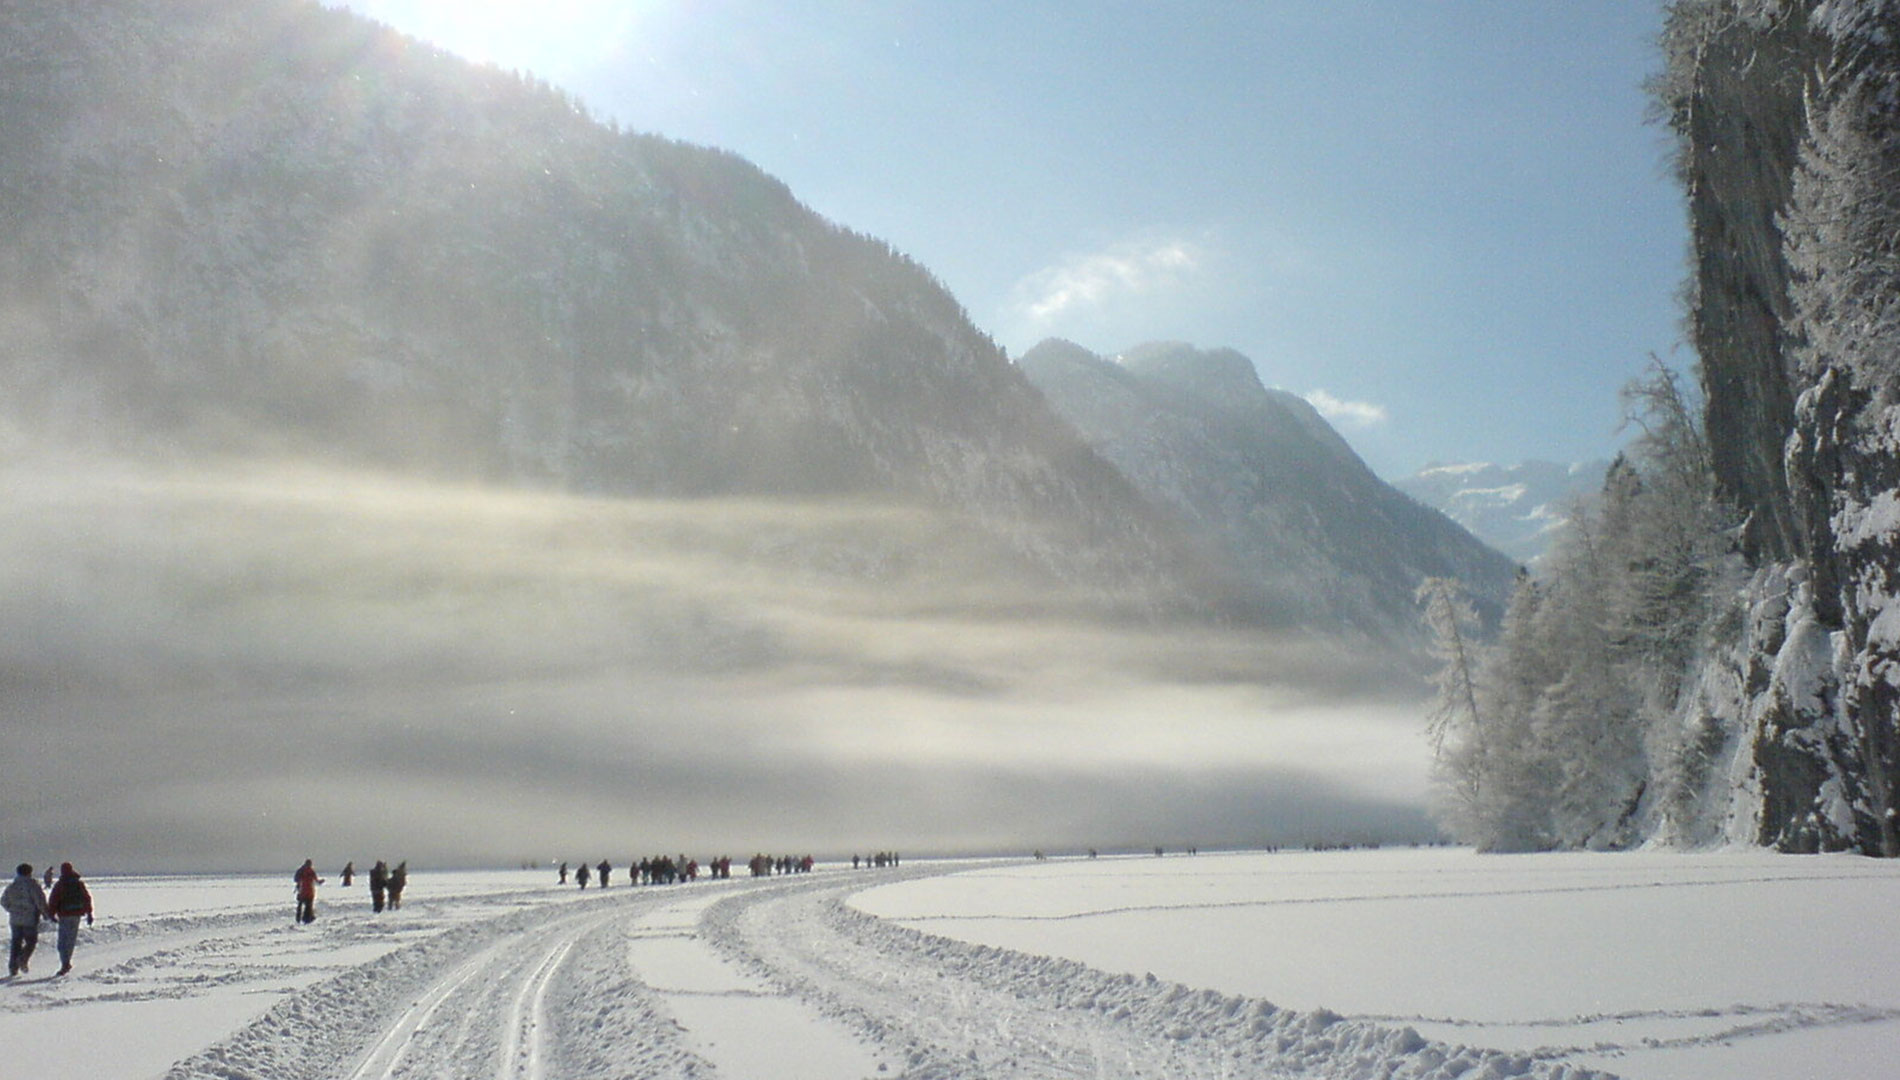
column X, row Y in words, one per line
column 229, row 665
column 400, row 461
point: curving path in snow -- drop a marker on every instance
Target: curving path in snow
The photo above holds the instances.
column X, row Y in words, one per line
column 952, row 1009
column 746, row 979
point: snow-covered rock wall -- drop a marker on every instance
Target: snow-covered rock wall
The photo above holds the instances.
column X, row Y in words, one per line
column 1789, row 119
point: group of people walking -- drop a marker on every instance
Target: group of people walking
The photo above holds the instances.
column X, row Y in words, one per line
column 666, row 870
column 29, row 903
column 385, row 886
column 767, row 865
column 656, row 870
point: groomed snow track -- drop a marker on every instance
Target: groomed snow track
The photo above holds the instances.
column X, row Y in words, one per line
column 545, row 991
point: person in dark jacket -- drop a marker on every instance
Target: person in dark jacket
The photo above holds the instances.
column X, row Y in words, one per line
column 398, row 880
column 25, row 902
column 606, row 869
column 70, row 901
column 307, row 882
column 378, row 884
column 349, row 873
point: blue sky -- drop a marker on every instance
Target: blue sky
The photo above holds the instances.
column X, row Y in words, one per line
column 1447, row 223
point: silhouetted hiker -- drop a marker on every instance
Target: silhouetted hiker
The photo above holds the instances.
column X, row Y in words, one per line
column 25, row 901
column 378, row 884
column 69, row 902
column 349, row 872
column 563, row 873
column 398, row 880
column 582, row 875
column 307, row 882
column 606, row 870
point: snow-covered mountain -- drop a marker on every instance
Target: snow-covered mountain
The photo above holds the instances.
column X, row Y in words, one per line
column 1514, row 508
column 272, row 229
column 1310, row 533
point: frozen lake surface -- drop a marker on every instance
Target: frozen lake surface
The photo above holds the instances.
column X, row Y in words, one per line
column 1401, row 963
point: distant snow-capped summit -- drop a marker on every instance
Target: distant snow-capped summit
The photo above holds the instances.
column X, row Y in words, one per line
column 1310, row 536
column 1514, row 508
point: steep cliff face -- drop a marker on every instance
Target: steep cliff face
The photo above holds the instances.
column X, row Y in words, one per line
column 1311, row 535
column 1738, row 109
column 1790, row 128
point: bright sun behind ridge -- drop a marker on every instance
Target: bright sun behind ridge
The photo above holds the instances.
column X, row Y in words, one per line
column 534, row 35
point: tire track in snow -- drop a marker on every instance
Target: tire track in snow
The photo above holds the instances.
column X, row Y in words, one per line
column 1720, row 1027
column 738, row 1022
column 1365, row 898
column 522, row 1053
column 535, row 993
column 950, row 1009
column 386, row 1054
column 493, row 1009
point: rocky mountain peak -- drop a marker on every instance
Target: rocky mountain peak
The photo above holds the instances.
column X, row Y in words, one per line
column 1312, row 535
column 1217, row 376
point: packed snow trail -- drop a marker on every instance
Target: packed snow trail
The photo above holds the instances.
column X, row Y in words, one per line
column 541, row 993
column 743, row 980
column 736, row 1020
column 952, row 1009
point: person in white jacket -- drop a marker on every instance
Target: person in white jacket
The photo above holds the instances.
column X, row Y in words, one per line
column 25, row 902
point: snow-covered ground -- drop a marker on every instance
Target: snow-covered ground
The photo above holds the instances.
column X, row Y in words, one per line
column 1405, row 963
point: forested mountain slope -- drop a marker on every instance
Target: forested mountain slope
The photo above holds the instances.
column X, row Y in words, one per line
column 254, row 228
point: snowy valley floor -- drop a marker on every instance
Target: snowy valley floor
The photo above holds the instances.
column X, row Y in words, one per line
column 1427, row 963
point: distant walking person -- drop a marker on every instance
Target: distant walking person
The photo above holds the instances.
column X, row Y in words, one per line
column 25, row 901
column 378, row 885
column 349, row 873
column 307, row 882
column 69, row 902
column 563, row 873
column 582, row 874
column 398, row 880
column 606, row 869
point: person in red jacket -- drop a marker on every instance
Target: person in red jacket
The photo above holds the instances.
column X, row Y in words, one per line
column 70, row 901
column 307, row 882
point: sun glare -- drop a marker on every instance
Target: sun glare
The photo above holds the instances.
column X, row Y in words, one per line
column 547, row 37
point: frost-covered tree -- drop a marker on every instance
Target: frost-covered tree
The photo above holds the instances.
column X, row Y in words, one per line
column 1564, row 722
column 1453, row 625
column 1453, row 722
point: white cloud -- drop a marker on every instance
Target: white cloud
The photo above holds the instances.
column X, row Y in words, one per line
column 1131, row 268
column 1359, row 414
